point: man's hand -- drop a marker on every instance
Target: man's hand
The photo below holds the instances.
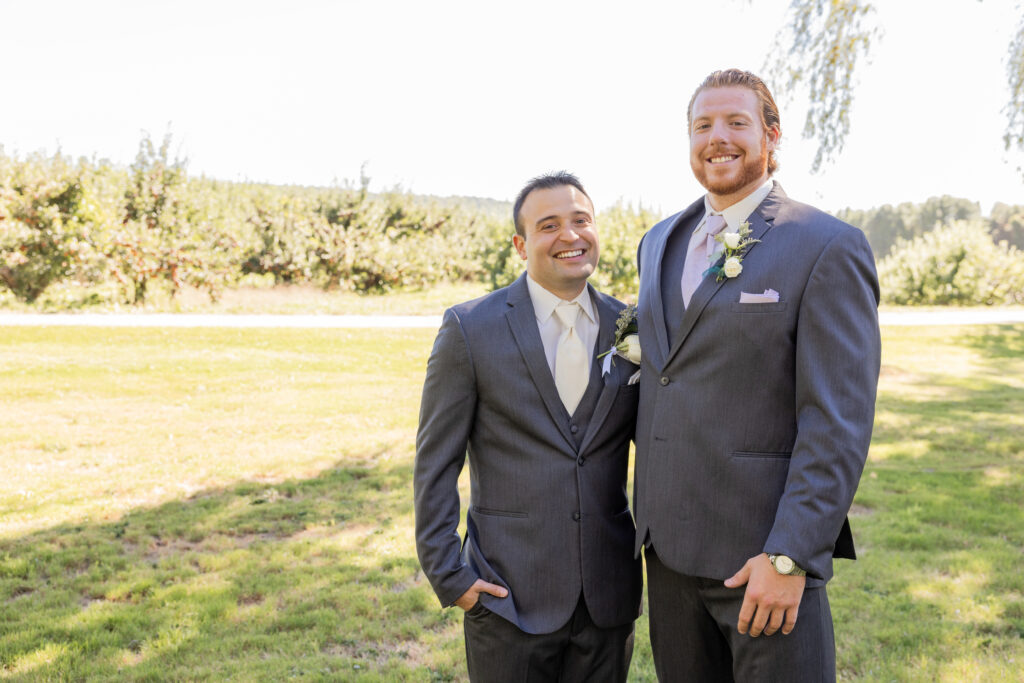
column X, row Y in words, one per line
column 470, row 597
column 771, row 600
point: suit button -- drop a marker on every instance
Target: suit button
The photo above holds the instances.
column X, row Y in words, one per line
column 574, row 428
column 665, row 381
column 580, row 460
column 576, row 516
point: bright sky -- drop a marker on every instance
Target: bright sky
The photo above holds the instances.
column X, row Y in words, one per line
column 474, row 98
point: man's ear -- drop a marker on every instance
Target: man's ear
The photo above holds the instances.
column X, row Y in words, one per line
column 520, row 243
column 772, row 136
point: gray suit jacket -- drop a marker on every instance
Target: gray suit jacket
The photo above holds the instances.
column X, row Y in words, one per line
column 549, row 517
column 753, row 428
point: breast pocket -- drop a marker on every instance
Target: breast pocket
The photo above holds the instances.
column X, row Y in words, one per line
column 775, row 307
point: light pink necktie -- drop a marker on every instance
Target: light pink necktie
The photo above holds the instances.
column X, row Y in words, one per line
column 697, row 257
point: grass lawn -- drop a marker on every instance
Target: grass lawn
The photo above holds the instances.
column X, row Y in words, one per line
column 217, row 504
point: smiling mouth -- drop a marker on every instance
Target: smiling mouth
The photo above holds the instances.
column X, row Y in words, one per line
column 569, row 254
column 723, row 159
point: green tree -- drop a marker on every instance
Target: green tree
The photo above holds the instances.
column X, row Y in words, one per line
column 43, row 236
column 1007, row 223
column 167, row 233
column 620, row 228
column 886, row 225
column 956, row 264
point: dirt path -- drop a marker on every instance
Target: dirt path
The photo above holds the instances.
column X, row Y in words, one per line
column 947, row 317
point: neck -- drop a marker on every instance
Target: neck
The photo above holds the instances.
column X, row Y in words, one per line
column 566, row 294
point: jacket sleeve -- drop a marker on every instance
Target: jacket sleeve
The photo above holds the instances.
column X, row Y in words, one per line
column 838, row 351
column 447, row 411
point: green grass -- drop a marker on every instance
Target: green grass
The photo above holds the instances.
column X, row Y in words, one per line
column 938, row 593
column 204, row 504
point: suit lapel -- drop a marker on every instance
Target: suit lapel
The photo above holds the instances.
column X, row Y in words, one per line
column 608, row 314
column 522, row 321
column 761, row 220
column 655, row 301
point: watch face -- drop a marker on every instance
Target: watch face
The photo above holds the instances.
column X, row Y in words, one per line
column 783, row 564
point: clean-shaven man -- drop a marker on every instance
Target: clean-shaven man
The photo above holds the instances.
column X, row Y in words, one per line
column 546, row 573
column 760, row 364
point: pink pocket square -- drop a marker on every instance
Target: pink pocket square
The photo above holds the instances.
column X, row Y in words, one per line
column 770, row 296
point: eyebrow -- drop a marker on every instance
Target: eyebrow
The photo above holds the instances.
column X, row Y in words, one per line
column 730, row 115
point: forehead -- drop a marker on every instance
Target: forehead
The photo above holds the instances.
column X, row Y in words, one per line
column 555, row 201
column 726, row 101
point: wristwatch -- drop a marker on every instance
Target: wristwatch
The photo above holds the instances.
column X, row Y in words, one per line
column 785, row 565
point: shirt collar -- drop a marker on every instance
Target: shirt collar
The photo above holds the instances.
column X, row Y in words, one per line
column 740, row 211
column 545, row 302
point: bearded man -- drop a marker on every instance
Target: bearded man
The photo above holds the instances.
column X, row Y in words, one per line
column 759, row 327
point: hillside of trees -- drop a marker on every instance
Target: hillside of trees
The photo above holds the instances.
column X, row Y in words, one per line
column 886, row 225
column 78, row 233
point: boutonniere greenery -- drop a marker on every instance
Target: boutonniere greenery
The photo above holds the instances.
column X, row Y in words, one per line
column 627, row 340
column 736, row 245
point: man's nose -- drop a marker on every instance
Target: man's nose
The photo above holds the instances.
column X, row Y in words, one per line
column 718, row 131
column 568, row 234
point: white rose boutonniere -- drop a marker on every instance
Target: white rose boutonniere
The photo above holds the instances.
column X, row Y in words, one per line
column 736, row 245
column 732, row 267
column 632, row 350
column 627, row 340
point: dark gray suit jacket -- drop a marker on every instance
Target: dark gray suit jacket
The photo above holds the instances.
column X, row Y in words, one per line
column 753, row 428
column 549, row 517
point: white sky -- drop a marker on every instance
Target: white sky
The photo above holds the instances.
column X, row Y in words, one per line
column 474, row 98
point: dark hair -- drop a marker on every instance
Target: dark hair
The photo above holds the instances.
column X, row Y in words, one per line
column 544, row 182
column 743, row 79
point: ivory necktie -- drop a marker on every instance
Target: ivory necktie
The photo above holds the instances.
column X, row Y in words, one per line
column 572, row 369
column 697, row 257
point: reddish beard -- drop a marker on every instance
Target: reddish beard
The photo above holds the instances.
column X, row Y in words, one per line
column 753, row 170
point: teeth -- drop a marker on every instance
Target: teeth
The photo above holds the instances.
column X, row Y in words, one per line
column 570, row 254
column 718, row 160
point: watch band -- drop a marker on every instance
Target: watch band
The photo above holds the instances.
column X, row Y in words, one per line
column 785, row 565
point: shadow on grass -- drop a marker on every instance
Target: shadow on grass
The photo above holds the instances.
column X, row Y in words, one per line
column 315, row 577
column 996, row 342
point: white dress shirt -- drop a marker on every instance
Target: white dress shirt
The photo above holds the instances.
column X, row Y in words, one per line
column 587, row 324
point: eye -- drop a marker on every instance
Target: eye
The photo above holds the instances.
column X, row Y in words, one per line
column 548, row 226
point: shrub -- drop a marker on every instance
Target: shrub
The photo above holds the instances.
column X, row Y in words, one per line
column 168, row 233
column 391, row 241
column 281, row 228
column 42, row 234
column 955, row 264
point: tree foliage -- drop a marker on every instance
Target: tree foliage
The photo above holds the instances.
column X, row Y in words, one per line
column 165, row 233
column 43, row 226
column 820, row 50
column 87, row 232
column 1015, row 77
column 956, row 264
column 886, row 225
column 78, row 233
column 821, row 47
